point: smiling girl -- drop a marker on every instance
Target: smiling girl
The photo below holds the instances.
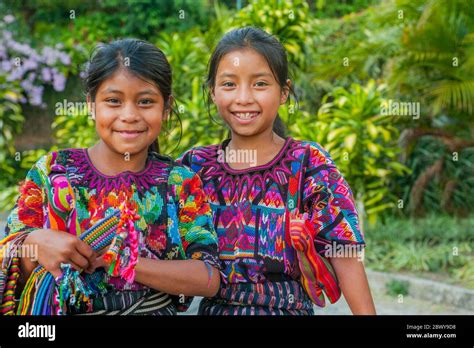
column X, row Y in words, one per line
column 129, row 87
column 278, row 218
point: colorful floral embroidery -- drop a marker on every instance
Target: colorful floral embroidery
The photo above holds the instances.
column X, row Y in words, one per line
column 174, row 220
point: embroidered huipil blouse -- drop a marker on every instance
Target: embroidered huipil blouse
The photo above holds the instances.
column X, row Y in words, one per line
column 175, row 221
column 259, row 267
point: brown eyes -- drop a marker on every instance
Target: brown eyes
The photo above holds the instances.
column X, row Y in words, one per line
column 145, row 102
column 112, row 101
column 256, row 84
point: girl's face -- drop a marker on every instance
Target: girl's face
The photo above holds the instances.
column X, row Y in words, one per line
column 128, row 113
column 246, row 93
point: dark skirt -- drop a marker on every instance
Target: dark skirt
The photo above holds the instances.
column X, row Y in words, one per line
column 269, row 298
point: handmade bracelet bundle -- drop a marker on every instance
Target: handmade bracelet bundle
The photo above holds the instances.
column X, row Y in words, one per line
column 120, row 257
column 39, row 295
column 44, row 295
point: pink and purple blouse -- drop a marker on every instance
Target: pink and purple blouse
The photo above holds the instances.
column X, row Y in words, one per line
column 259, row 267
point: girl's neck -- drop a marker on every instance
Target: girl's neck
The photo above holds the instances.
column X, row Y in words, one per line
column 260, row 141
column 113, row 163
column 265, row 145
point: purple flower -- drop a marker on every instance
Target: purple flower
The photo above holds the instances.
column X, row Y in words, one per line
column 31, row 76
column 7, row 35
column 59, row 82
column 3, row 52
column 46, row 74
column 23, row 49
column 32, row 69
column 6, row 66
column 36, row 96
column 49, row 55
column 30, row 64
column 27, row 85
column 16, row 74
column 8, row 19
column 65, row 59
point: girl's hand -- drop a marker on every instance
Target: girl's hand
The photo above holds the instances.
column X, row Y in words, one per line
column 98, row 262
column 56, row 247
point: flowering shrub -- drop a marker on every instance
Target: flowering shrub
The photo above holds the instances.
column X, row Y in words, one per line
column 24, row 74
column 32, row 68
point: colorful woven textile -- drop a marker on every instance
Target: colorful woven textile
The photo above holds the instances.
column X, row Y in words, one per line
column 9, row 271
column 268, row 298
column 143, row 302
column 250, row 209
column 174, row 221
column 43, row 295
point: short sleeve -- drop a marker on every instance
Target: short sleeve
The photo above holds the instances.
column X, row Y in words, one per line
column 198, row 236
column 329, row 201
column 185, row 158
column 190, row 160
column 28, row 212
column 26, row 216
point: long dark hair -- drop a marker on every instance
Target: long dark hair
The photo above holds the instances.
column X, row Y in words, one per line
column 140, row 58
column 265, row 44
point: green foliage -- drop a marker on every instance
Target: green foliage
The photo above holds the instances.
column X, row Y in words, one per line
column 435, row 244
column 197, row 127
column 435, row 60
column 397, row 287
column 438, row 229
column 288, row 20
column 11, row 118
column 20, row 163
column 11, row 122
column 148, row 17
column 74, row 129
column 90, row 23
column 361, row 141
column 330, row 9
column 452, row 188
column 188, row 54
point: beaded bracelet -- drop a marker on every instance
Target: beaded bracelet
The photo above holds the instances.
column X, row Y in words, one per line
column 210, row 271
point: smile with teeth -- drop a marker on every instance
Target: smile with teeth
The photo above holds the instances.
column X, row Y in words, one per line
column 130, row 133
column 246, row 115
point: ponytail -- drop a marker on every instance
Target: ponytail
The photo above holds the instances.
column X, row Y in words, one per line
column 154, row 147
column 279, row 127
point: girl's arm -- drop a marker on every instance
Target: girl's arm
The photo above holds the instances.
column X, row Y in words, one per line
column 175, row 277
column 354, row 285
column 178, row 277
